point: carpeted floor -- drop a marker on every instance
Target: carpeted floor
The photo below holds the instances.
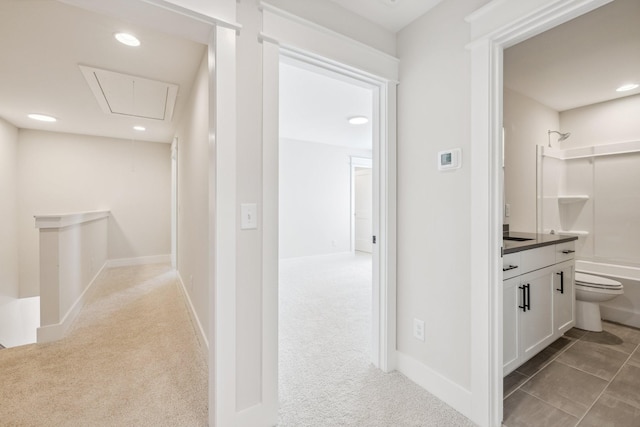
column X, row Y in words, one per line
column 131, row 359
column 326, row 378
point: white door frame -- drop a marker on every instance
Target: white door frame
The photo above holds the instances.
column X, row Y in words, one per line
column 495, row 27
column 356, row 162
column 383, row 316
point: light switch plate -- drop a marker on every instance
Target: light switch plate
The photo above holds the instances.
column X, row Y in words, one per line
column 248, row 216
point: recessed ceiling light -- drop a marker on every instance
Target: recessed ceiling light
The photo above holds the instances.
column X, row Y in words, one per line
column 128, row 39
column 358, row 120
column 627, row 87
column 42, row 117
column 139, row 128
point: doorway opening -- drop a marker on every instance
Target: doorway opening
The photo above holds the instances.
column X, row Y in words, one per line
column 486, row 158
column 326, row 209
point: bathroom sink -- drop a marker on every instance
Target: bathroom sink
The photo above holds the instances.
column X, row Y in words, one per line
column 516, row 239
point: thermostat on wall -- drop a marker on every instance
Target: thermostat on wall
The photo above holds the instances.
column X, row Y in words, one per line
column 449, row 159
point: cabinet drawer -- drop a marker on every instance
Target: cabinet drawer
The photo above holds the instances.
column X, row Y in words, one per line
column 538, row 258
column 565, row 251
column 511, row 266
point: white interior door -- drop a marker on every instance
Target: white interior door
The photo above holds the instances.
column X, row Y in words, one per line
column 363, row 209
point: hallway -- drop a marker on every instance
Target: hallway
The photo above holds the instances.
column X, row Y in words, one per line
column 131, row 358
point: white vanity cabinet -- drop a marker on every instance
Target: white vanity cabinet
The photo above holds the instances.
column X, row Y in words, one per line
column 538, row 303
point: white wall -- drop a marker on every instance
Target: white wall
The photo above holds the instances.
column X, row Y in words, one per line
column 602, row 123
column 315, row 198
column 63, row 173
column 193, row 199
column 330, row 15
column 526, row 123
column 8, row 211
column 434, row 207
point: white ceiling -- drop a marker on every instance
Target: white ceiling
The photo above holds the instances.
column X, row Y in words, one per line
column 42, row 45
column 43, row 42
column 390, row 14
column 581, row 62
column 315, row 106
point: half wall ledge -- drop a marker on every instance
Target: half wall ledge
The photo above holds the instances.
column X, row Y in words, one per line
column 73, row 251
column 68, row 219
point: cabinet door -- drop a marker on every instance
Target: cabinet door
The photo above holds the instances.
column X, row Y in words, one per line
column 510, row 301
column 563, row 297
column 536, row 322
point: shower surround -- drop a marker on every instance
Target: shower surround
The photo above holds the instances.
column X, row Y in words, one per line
column 594, row 192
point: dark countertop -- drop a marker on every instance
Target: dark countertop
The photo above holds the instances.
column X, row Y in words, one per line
column 538, row 240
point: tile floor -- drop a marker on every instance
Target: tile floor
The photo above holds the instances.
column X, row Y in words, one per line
column 582, row 379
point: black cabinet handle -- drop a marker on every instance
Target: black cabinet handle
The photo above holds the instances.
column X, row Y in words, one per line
column 526, row 297
column 568, row 251
column 511, row 267
column 561, row 274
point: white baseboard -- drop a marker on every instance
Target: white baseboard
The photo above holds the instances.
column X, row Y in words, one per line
column 125, row 262
column 456, row 396
column 49, row 333
column 202, row 337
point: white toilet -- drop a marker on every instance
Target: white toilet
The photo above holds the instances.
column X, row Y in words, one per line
column 590, row 292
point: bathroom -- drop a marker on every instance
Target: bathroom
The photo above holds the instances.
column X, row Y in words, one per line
column 572, row 166
column 586, row 183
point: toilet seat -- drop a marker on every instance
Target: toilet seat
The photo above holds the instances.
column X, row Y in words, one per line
column 597, row 282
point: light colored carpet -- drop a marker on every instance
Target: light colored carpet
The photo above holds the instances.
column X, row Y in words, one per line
column 326, row 378
column 131, row 359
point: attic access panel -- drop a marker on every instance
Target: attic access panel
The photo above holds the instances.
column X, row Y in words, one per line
column 126, row 95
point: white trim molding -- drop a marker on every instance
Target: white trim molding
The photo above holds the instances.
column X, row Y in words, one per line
column 222, row 228
column 448, row 391
column 202, row 336
column 495, row 26
column 297, row 34
column 270, row 229
column 265, row 6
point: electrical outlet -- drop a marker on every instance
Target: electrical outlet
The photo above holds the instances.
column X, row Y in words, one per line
column 418, row 329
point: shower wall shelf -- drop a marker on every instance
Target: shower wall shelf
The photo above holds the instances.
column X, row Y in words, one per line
column 572, row 199
column 592, row 151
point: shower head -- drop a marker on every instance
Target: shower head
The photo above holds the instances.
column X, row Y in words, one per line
column 561, row 137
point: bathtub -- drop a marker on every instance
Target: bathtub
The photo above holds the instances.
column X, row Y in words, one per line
column 625, row 308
